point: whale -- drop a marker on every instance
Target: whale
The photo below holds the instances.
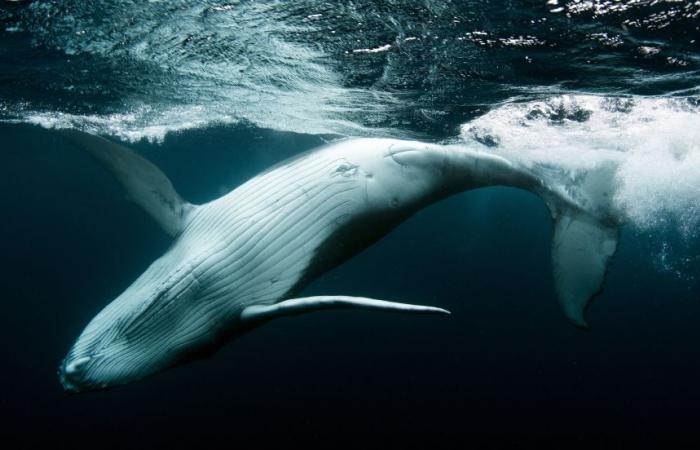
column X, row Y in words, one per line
column 241, row 260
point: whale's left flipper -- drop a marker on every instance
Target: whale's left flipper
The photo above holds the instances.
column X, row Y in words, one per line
column 295, row 306
column 146, row 185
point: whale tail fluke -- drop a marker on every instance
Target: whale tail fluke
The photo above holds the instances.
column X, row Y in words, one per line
column 585, row 234
column 581, row 203
column 145, row 183
column 582, row 248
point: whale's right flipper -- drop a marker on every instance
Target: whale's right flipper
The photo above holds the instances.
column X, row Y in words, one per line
column 262, row 313
column 147, row 186
column 582, row 248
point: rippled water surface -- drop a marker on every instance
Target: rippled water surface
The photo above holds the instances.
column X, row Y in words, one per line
column 139, row 69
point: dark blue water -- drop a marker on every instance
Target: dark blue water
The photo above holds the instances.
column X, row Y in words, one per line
column 216, row 92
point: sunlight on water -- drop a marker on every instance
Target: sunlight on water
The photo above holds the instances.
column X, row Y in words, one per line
column 136, row 70
column 648, row 13
column 190, row 66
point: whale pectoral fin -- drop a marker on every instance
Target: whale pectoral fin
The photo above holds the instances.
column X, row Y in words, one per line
column 295, row 306
column 582, row 248
column 147, row 186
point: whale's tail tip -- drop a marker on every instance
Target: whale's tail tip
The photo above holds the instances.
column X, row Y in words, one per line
column 582, row 248
column 585, row 237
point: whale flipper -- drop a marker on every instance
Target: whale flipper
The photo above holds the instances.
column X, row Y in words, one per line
column 146, row 185
column 582, row 248
column 295, row 306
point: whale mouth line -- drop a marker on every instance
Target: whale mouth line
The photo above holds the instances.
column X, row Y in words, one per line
column 69, row 384
column 69, row 374
column 75, row 365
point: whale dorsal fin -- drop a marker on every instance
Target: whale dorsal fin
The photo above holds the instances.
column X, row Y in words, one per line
column 295, row 306
column 146, row 185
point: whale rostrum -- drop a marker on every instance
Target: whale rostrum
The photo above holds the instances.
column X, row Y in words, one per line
column 242, row 259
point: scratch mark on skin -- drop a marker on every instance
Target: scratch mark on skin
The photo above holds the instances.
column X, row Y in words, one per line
column 345, row 169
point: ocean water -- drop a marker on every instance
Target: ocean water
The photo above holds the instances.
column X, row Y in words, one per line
column 214, row 92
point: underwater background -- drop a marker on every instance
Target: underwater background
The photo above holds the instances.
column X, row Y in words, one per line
column 214, row 92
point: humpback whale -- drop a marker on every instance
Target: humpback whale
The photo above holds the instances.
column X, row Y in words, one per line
column 241, row 260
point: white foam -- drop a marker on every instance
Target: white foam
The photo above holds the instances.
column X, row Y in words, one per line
column 656, row 142
column 382, row 48
column 139, row 124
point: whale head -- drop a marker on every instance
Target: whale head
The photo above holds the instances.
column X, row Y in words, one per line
column 155, row 324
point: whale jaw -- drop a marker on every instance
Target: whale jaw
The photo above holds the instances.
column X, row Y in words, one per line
column 74, row 376
column 67, row 375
